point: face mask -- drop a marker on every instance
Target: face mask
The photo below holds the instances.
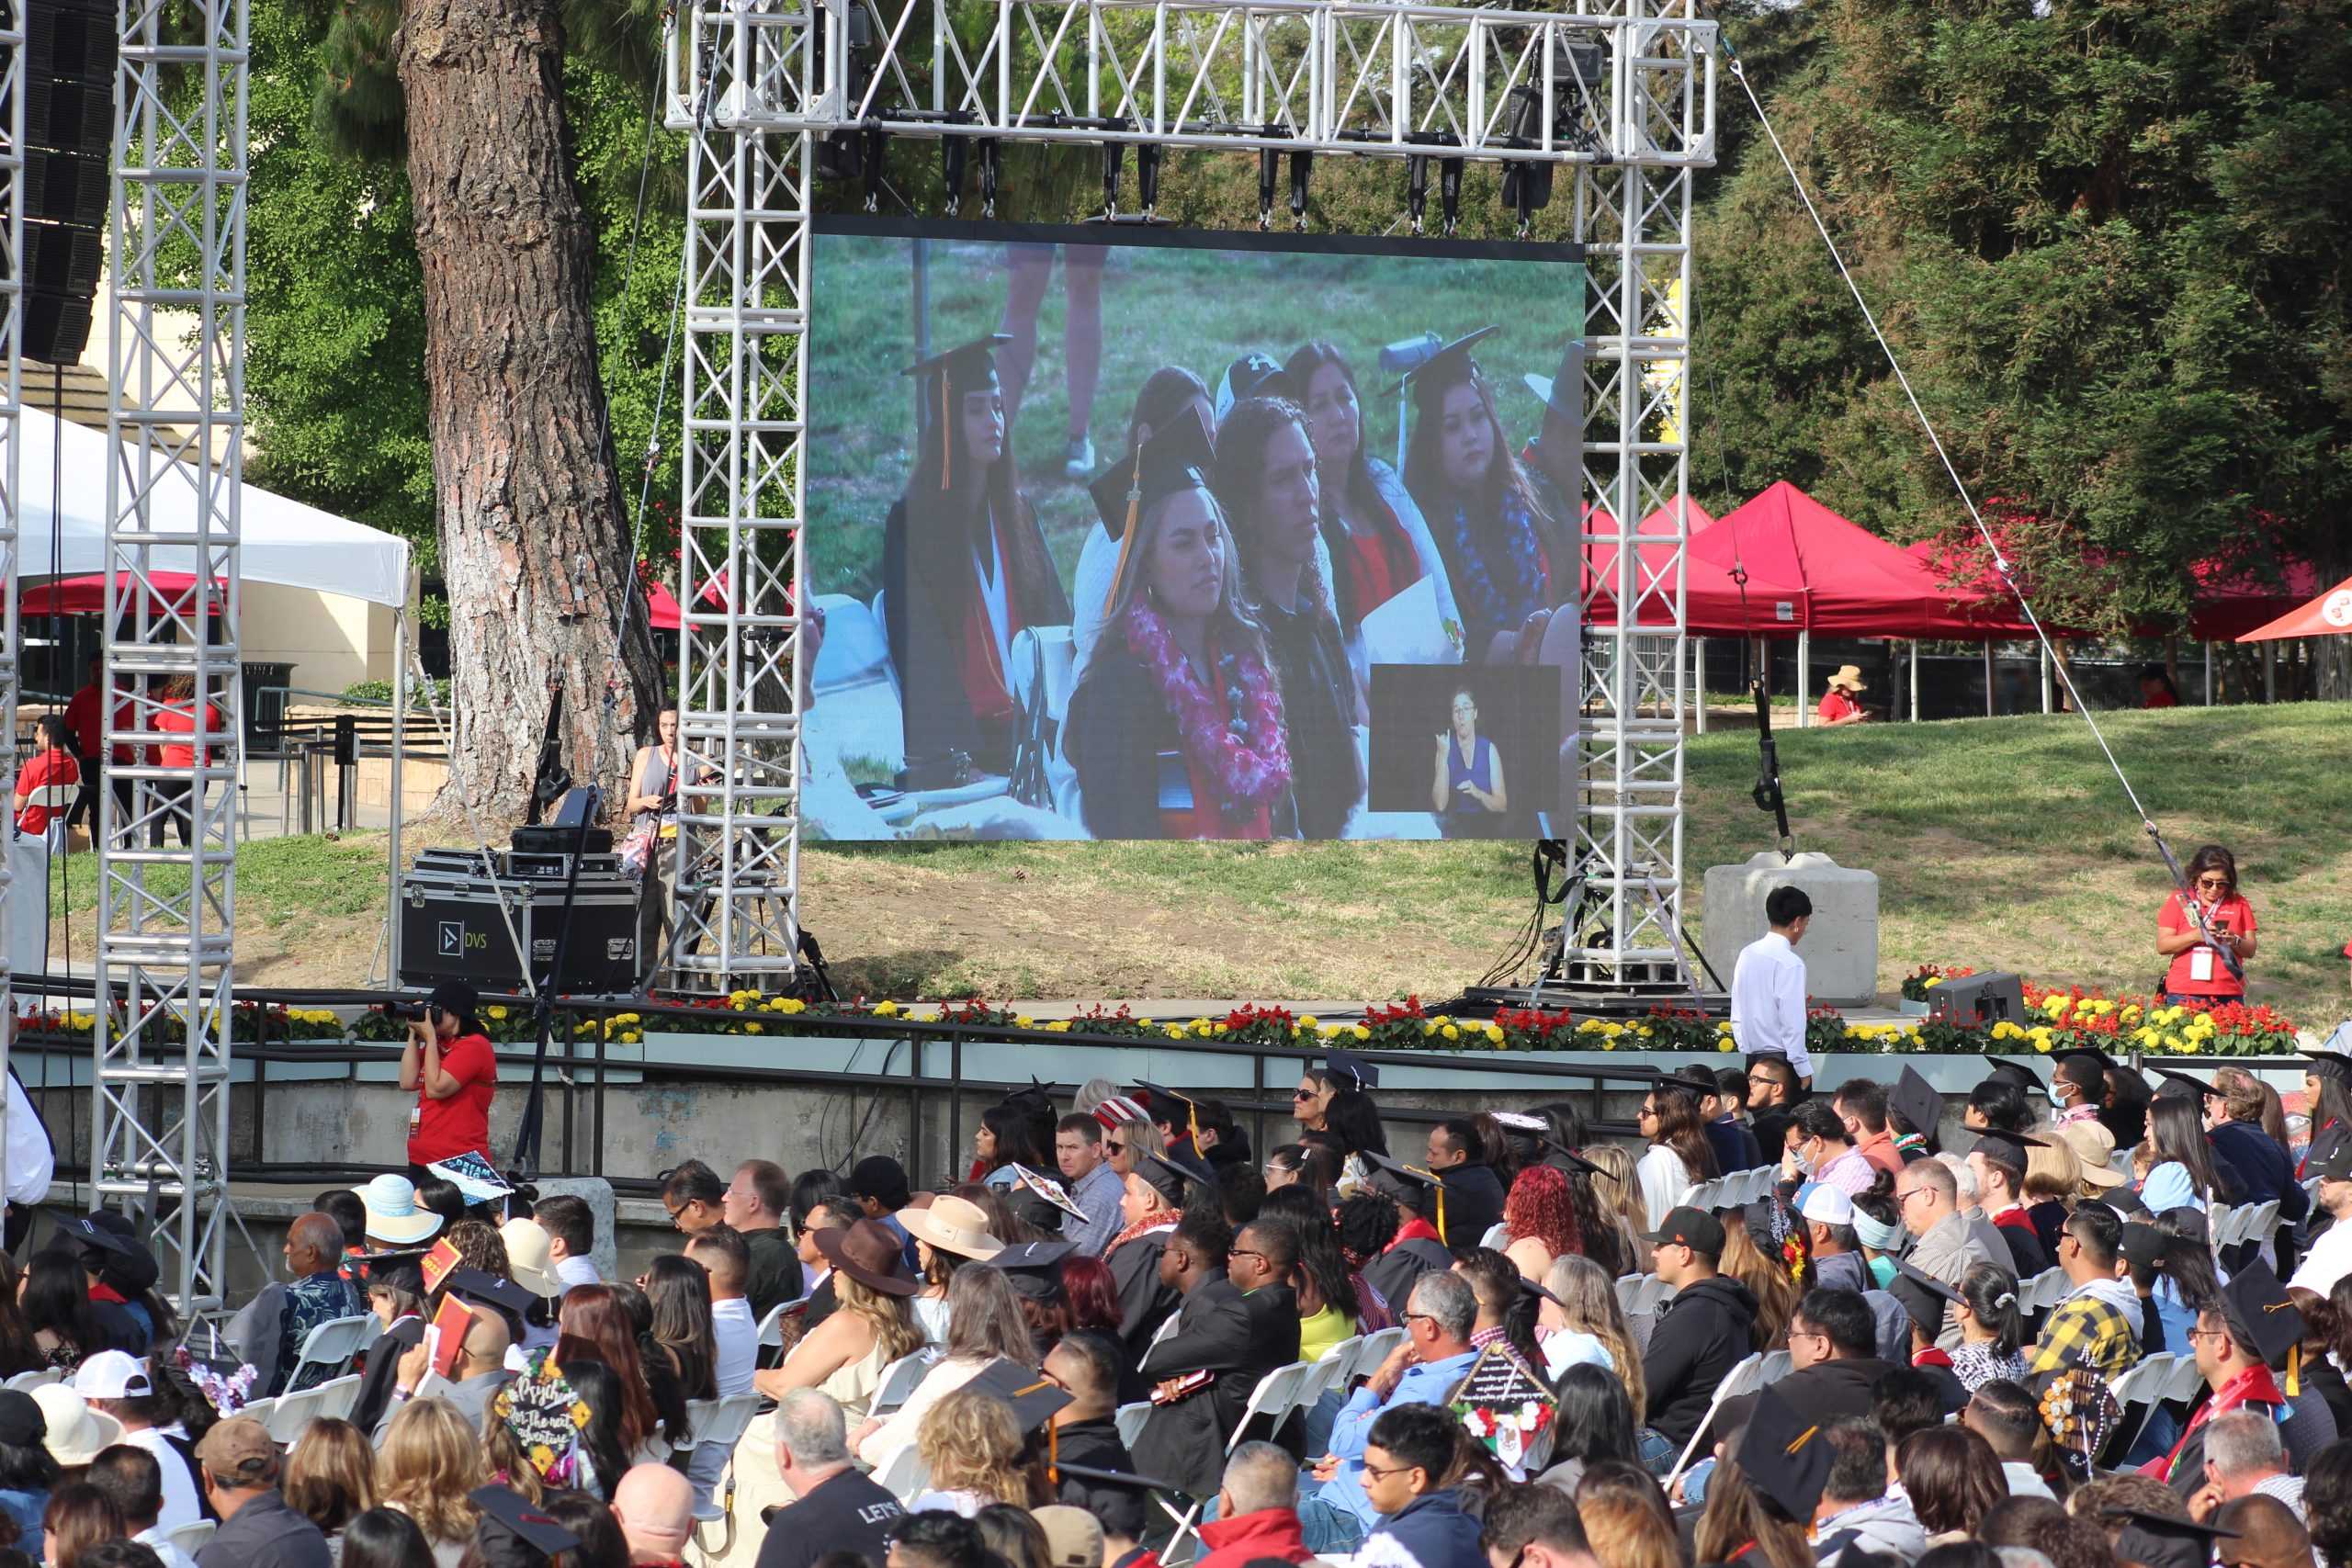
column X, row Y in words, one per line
column 1808, row 1162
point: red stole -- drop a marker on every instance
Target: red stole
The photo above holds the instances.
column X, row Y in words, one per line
column 2252, row 1386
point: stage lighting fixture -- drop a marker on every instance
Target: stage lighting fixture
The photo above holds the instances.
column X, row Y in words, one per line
column 1147, row 158
column 1115, row 159
column 953, row 152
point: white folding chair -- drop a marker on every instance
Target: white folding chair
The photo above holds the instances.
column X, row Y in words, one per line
column 25, row 1383
column 1778, row 1364
column 1273, row 1397
column 2138, row 1391
column 1326, row 1372
column 905, row 1475
column 1130, row 1419
column 1629, row 1292
column 899, row 1381
column 2034, row 1294
column 1705, row 1196
column 333, row 1345
column 1741, row 1379
column 719, row 1424
column 1497, row 1237
column 191, row 1537
column 2225, row 1222
column 1371, row 1350
column 2184, row 1382
column 293, row 1412
column 2262, row 1225
column 259, row 1409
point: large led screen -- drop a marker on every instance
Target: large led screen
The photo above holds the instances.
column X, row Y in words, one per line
column 1127, row 533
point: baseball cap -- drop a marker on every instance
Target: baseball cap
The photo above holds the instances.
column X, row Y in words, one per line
column 2334, row 1166
column 113, row 1374
column 238, row 1448
column 1073, row 1537
column 1826, row 1206
column 1694, row 1228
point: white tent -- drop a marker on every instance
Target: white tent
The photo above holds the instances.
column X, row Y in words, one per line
column 281, row 541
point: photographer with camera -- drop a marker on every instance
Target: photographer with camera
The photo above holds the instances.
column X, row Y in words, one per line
column 448, row 1062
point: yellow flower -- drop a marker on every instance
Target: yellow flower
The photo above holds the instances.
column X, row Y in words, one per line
column 1590, row 1026
column 1428, row 1027
column 1201, row 1030
column 1327, row 1030
column 498, row 1009
column 1451, row 1033
column 886, row 1010
column 755, row 1029
column 1025, row 1022
column 1307, row 1021
column 630, row 1037
column 1360, row 1033
column 2042, row 1044
column 1723, row 1026
column 794, row 1004
column 1494, row 1032
column 1060, row 1026
column 1931, row 982
column 1727, row 1045
column 1644, row 1030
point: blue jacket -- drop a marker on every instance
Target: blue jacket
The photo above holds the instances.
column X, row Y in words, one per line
column 1430, row 1532
column 2263, row 1165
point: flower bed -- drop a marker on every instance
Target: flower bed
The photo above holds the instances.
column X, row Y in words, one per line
column 2070, row 1017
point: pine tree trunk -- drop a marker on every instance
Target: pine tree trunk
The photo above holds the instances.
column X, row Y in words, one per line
column 534, row 537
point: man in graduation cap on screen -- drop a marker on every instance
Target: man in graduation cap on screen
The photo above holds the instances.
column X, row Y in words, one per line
column 1176, row 729
column 965, row 569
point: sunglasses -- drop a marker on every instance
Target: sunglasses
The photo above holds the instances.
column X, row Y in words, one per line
column 1114, row 1148
column 1298, row 1094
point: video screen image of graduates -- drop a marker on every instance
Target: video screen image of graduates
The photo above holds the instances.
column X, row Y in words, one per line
column 1139, row 534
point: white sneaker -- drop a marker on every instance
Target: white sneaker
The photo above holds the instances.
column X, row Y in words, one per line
column 1077, row 459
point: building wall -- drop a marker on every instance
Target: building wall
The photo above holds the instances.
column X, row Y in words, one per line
column 332, row 641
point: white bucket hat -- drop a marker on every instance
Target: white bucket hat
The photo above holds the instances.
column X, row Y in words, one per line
column 76, row 1432
column 527, row 1248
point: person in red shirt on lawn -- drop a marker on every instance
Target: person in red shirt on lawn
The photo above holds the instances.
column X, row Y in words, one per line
column 178, row 716
column 2201, row 976
column 47, row 784
column 85, row 716
column 1838, row 704
column 448, row 1062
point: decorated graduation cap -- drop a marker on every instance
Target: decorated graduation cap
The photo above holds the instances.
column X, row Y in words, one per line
column 1783, row 1454
column 1359, row 1073
column 1917, row 1101
column 1450, row 365
column 2079, row 1411
column 1178, row 457
column 1503, row 1403
column 942, row 379
column 2161, row 1541
column 2260, row 1312
column 1120, row 1500
column 1045, row 1187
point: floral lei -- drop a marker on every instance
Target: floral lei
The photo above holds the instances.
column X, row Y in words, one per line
column 1492, row 607
column 1245, row 756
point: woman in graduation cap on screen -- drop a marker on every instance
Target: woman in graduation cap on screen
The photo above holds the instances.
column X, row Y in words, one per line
column 1509, row 561
column 966, row 567
column 1176, row 728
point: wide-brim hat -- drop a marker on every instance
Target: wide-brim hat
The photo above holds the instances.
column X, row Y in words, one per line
column 2094, row 1147
column 953, row 1225
column 1848, row 678
column 528, row 1251
column 392, row 1212
column 868, row 1254
column 77, row 1433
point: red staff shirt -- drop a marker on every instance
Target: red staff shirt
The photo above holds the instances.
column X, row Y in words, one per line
column 54, row 767
column 459, row 1125
column 2234, row 913
column 1836, row 705
column 178, row 720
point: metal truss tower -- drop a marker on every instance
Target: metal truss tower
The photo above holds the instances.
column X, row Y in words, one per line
column 176, row 412
column 1619, row 94
column 12, row 321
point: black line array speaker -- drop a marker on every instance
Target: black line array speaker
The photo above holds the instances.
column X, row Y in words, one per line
column 70, row 50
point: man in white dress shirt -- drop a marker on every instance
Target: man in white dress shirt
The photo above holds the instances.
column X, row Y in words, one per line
column 1768, row 988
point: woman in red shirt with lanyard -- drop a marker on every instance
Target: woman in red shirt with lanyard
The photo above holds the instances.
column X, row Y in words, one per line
column 448, row 1062
column 2202, row 974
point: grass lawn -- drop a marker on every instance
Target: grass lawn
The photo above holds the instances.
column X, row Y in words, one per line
column 1997, row 842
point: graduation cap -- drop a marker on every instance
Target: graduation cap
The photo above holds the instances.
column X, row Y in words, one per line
column 2161, row 1541
column 1045, row 1187
column 2009, row 1070
column 1159, row 1099
column 1361, row 1073
column 1185, row 1170
column 1120, row 1500
column 1037, row 1096
column 490, row 1291
column 1405, row 1183
column 1034, row 1267
column 1698, row 1080
column 2329, row 1065
column 523, row 1519
column 1569, row 1157
column 1922, row 1296
column 2175, row 1079
column 2106, row 1062
column 1917, row 1101
column 2261, row 1313
column 944, row 380
column 2008, row 1148
column 1534, row 1289
column 1033, row 1396
column 1522, row 1125
column 1784, row 1455
column 1450, row 365
column 82, row 1230
column 1179, row 456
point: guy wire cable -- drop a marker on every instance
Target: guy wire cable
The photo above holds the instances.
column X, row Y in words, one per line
column 2000, row 561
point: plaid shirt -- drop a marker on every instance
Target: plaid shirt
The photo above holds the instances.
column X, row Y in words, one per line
column 2086, row 1331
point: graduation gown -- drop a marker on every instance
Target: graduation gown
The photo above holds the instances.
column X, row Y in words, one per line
column 383, row 1360
column 1474, row 1202
column 933, row 591
column 1318, row 715
column 1240, row 1339
column 1123, row 743
column 1393, row 1272
column 1144, row 1302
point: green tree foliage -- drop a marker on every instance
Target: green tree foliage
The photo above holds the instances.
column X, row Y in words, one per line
column 335, row 335
column 2108, row 241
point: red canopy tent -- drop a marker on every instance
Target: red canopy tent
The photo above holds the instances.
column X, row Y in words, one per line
column 2228, row 605
column 86, row 595
column 2330, row 615
column 1711, row 602
column 660, row 608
